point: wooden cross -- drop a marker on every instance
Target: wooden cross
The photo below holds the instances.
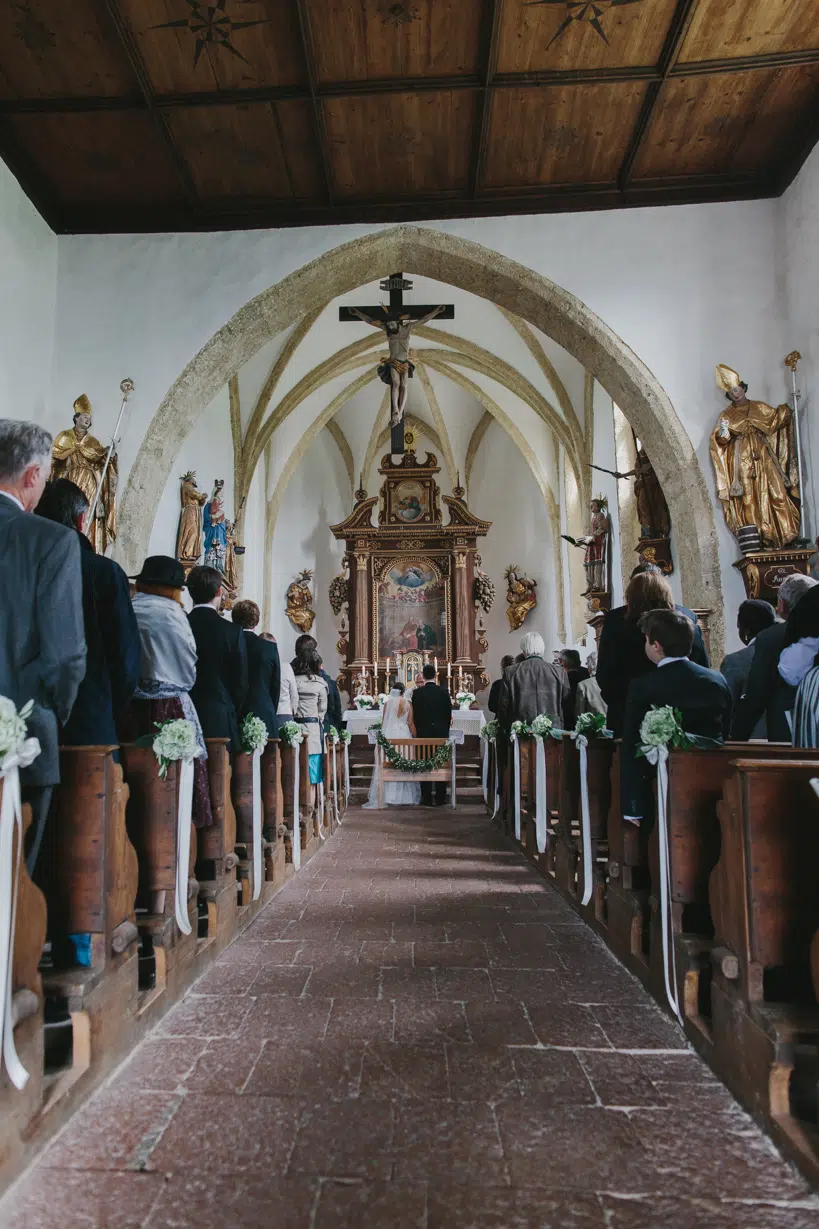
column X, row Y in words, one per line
column 396, row 284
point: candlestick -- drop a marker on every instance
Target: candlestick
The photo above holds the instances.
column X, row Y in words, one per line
column 449, row 670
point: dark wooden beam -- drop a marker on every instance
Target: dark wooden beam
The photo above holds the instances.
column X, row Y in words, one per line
column 681, row 21
column 248, row 215
column 490, row 38
column 143, row 81
column 319, row 125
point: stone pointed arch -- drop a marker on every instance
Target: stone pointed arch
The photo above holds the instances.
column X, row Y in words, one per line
column 481, row 271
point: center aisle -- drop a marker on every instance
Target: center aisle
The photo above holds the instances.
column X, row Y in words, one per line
column 418, row 1032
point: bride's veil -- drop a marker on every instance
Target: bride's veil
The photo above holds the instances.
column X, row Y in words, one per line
column 390, row 719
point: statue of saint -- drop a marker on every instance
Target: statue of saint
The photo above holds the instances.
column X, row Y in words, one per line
column 78, row 456
column 753, row 451
column 215, row 525
column 398, row 370
column 520, row 596
column 596, row 542
column 231, row 579
column 299, row 599
column 189, row 537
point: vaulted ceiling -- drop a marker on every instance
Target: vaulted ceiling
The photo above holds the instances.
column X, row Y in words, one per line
column 182, row 114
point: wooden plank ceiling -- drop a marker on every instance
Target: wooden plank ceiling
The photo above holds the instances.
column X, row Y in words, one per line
column 182, row 114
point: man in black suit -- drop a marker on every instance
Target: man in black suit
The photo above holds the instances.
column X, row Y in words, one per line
column 766, row 692
column 263, row 666
column 431, row 717
column 220, row 690
column 701, row 695
column 111, row 633
column 335, row 713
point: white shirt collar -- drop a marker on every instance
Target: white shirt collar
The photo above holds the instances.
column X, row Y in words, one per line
column 13, row 499
column 204, row 606
column 668, row 660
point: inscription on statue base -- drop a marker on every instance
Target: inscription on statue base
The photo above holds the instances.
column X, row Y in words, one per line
column 764, row 571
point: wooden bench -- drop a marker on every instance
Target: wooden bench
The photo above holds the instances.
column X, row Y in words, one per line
column 416, row 749
column 307, row 836
column 88, row 872
column 765, row 908
column 553, row 753
column 568, row 856
column 216, row 859
column 273, row 815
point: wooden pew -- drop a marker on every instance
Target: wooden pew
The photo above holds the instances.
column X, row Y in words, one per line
column 273, row 804
column 216, row 859
column 87, row 870
column 568, row 856
column 306, row 824
column 19, row 1107
column 628, row 886
column 765, row 907
column 273, row 850
column 553, row 751
column 152, row 821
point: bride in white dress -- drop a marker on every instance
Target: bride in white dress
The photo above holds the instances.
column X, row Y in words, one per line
column 394, row 724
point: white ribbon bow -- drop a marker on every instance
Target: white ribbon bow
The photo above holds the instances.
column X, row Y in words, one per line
column 585, row 818
column 183, row 844
column 335, row 781
column 296, row 829
column 321, row 810
column 659, row 757
column 485, row 770
column 513, row 738
column 11, row 824
column 541, row 802
column 258, row 857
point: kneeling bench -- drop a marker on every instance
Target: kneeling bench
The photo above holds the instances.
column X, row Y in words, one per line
column 417, row 749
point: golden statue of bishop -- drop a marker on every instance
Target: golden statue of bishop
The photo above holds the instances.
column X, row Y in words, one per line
column 80, row 457
column 757, row 469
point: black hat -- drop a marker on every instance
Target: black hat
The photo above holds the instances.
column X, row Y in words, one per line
column 162, row 570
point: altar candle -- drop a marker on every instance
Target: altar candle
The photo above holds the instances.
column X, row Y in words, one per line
column 436, row 666
column 449, row 670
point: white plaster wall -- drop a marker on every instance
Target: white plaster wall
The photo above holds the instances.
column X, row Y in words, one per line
column 502, row 490
column 28, row 298
column 798, row 266
column 317, row 496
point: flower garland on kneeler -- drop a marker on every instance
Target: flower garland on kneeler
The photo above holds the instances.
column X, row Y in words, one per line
column 394, row 758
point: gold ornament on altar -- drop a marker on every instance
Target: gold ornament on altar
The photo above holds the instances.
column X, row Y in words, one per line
column 339, row 591
column 189, row 541
column 483, row 588
column 756, row 464
column 299, row 600
column 80, row 457
column 521, row 597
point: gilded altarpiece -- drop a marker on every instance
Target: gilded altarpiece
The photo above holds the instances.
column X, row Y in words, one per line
column 412, row 578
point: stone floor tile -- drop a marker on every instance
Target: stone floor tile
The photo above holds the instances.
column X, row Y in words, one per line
column 67, row 1198
column 160, row 1064
column 361, row 1020
column 346, row 1139
column 386, row 955
column 685, row 1067
column 347, row 981
column 618, row 1079
column 277, row 1018
column 206, row 1015
column 481, row 1073
column 227, row 1135
column 420, row 1023
column 327, row 1069
column 599, row 983
column 117, row 1129
column 575, row 1146
column 376, row 1205
column 551, row 1077
column 330, row 954
column 224, row 1067
column 566, row 1024
column 526, row 985
column 464, row 985
column 394, row 1072
column 510, row 1208
column 455, row 1141
column 639, row 1026
column 313, row 928
column 407, row 982
column 237, row 1201
column 281, row 979
column 658, row 1213
column 496, row 1024
column 457, row 954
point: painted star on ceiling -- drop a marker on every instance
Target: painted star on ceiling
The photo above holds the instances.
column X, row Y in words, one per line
column 578, row 11
column 210, row 24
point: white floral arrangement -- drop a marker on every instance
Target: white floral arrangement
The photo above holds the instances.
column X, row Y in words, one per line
column 291, row 733
column 592, row 725
column 465, row 699
column 333, row 735
column 174, row 740
column 491, row 730
column 662, row 727
column 254, row 734
column 382, row 698
column 521, row 728
column 542, row 726
column 345, row 737
column 13, row 741
column 365, row 702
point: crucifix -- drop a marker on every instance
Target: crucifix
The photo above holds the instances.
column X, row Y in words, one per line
column 397, row 322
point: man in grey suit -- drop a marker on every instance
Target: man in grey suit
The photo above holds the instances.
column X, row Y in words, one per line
column 754, row 616
column 42, row 641
column 766, row 692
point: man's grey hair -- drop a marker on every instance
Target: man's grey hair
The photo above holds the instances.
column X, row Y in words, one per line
column 532, row 645
column 793, row 587
column 22, row 444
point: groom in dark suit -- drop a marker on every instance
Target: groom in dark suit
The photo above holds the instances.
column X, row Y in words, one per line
column 431, row 718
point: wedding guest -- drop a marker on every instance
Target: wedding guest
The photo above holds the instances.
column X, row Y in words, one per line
column 335, row 713
column 494, row 690
column 799, row 654
column 263, row 668
column 589, row 698
column 621, row 652
column 767, row 693
column 577, row 673
column 112, row 663
column 288, row 691
column 753, row 617
column 430, row 717
column 532, row 687
column 806, row 710
column 701, row 695
column 312, row 706
column 167, row 669
column 220, row 690
column 42, row 646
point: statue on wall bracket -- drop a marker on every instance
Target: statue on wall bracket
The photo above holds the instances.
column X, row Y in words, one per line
column 597, row 557
column 521, row 596
column 299, row 601
column 79, row 456
column 654, row 545
column 755, row 454
column 189, row 540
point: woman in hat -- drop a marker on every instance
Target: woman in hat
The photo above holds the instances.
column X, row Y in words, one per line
column 168, row 665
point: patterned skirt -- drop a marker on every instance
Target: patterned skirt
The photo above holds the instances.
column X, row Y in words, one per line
column 142, row 719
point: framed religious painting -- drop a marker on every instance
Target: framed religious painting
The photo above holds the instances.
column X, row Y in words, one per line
column 412, row 609
column 410, row 501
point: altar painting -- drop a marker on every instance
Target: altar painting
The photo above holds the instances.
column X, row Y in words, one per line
column 412, row 611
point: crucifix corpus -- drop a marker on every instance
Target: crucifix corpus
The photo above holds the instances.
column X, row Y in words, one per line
column 397, row 322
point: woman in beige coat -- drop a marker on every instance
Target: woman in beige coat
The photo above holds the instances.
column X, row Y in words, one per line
column 312, row 706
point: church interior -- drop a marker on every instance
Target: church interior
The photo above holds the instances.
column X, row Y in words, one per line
column 415, row 329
